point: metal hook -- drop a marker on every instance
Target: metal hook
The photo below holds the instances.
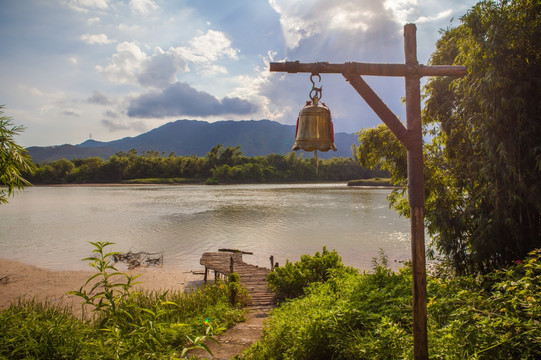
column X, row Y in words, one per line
column 312, row 80
column 316, row 90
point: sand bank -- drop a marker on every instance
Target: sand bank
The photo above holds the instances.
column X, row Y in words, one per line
column 19, row 280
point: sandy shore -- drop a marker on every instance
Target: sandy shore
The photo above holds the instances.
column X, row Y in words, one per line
column 19, row 280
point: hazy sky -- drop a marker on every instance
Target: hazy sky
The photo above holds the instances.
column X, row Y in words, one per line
column 112, row 68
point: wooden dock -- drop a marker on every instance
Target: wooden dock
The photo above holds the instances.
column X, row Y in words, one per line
column 253, row 277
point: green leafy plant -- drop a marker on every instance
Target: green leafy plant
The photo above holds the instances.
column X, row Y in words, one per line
column 14, row 159
column 290, row 280
column 369, row 316
column 123, row 323
column 128, row 327
column 238, row 294
column 107, row 290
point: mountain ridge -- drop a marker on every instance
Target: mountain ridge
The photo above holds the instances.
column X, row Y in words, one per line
column 195, row 137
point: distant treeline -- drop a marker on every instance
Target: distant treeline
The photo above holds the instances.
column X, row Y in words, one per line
column 220, row 165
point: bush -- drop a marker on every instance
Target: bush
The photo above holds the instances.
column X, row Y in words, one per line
column 238, row 294
column 369, row 316
column 290, row 280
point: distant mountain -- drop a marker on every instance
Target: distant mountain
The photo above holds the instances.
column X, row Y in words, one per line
column 193, row 137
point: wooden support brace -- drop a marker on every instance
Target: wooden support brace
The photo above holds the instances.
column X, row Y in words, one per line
column 410, row 136
column 379, row 107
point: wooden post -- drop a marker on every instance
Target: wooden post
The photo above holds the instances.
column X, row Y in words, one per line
column 410, row 136
column 205, row 277
column 231, row 262
column 416, row 193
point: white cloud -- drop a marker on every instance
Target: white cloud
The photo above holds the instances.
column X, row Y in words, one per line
column 130, row 65
column 84, row 5
column 125, row 64
column 93, row 20
column 213, row 69
column 143, row 6
column 208, row 48
column 161, row 69
column 251, row 88
column 302, row 20
column 100, row 39
column 31, row 90
column 401, row 9
column 129, row 28
column 441, row 15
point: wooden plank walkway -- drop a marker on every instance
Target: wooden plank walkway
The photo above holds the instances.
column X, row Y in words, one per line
column 253, row 277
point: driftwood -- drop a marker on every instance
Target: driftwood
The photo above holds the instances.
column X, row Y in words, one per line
column 138, row 259
column 4, row 279
column 236, row 251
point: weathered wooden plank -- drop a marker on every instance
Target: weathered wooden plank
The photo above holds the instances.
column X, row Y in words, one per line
column 253, row 277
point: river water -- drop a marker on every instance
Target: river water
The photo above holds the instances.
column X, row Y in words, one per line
column 51, row 226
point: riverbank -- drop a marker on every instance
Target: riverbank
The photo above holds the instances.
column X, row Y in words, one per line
column 20, row 280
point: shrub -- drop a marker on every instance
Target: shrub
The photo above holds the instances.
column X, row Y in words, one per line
column 238, row 294
column 369, row 316
column 290, row 280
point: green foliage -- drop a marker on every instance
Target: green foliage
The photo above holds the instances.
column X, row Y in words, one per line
column 125, row 323
column 14, row 160
column 238, row 294
column 134, row 324
column 292, row 279
column 483, row 163
column 34, row 330
column 107, row 291
column 221, row 165
column 496, row 316
column 368, row 316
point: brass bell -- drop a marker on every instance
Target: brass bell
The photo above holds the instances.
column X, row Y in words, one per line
column 314, row 128
column 314, row 125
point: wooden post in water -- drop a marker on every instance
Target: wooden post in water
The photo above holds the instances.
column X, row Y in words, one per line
column 410, row 136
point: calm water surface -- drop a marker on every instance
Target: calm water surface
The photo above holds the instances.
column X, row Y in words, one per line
column 51, row 226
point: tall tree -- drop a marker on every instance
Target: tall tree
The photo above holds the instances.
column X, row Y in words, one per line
column 483, row 164
column 14, row 160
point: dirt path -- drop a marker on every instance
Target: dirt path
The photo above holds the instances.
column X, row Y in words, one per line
column 235, row 340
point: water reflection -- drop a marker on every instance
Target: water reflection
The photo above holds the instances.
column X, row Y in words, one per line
column 51, row 226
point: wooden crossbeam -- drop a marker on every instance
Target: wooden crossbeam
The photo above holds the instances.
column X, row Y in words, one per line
column 370, row 69
column 412, row 139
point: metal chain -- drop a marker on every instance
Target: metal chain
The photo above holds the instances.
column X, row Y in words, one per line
column 316, row 90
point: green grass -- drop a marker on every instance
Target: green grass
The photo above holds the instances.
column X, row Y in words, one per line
column 371, row 182
column 119, row 323
column 369, row 316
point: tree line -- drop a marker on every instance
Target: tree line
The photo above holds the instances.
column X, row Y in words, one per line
column 220, row 165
